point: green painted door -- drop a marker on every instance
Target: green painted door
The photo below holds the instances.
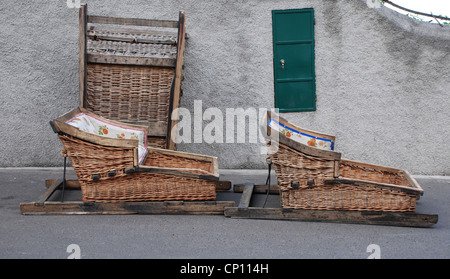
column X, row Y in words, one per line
column 293, row 52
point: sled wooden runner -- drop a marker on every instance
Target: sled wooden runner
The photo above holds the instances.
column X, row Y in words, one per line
column 243, row 210
column 46, row 205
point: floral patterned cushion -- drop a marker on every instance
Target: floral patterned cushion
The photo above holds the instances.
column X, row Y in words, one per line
column 97, row 126
column 301, row 137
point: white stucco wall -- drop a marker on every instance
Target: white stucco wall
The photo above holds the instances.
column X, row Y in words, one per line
column 382, row 79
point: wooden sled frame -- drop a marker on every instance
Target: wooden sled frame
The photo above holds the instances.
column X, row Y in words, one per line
column 45, row 206
column 243, row 210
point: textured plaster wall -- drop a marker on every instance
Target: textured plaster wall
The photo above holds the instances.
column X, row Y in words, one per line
column 382, row 79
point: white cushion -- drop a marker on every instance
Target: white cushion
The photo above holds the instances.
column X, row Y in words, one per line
column 301, row 137
column 97, row 126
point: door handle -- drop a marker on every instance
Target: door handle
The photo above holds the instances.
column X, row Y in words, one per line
column 282, row 63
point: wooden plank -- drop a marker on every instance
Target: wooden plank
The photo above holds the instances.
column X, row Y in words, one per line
column 132, row 21
column 170, row 207
column 82, row 50
column 258, row 189
column 130, row 60
column 402, row 219
column 246, row 195
column 177, row 81
column 46, row 195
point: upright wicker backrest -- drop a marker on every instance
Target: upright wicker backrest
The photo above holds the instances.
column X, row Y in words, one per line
column 131, row 70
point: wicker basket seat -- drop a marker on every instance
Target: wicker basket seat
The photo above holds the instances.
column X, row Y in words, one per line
column 114, row 163
column 312, row 175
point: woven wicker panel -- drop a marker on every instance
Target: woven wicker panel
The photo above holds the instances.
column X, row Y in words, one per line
column 348, row 197
column 159, row 159
column 159, row 142
column 129, row 93
column 293, row 166
column 362, row 173
column 148, row 187
column 88, row 159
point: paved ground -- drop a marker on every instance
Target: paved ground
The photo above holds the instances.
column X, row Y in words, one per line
column 181, row 236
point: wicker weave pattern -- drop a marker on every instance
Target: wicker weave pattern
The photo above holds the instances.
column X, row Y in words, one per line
column 348, row 197
column 158, row 159
column 293, row 166
column 148, row 187
column 88, row 159
column 158, row 142
column 129, row 93
column 374, row 175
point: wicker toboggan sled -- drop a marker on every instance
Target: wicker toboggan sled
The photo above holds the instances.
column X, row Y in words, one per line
column 311, row 175
column 113, row 162
column 316, row 185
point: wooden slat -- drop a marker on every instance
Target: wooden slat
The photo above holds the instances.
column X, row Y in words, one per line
column 172, row 207
column 403, row 219
column 246, row 195
column 132, row 21
column 46, row 195
column 177, row 81
column 130, row 60
column 82, row 50
column 258, row 189
column 132, row 39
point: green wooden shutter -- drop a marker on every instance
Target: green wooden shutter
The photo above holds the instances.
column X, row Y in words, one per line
column 293, row 52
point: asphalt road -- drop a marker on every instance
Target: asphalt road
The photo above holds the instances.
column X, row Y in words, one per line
column 208, row 237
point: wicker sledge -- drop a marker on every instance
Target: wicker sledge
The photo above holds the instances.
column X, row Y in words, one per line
column 130, row 70
column 312, row 175
column 113, row 162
